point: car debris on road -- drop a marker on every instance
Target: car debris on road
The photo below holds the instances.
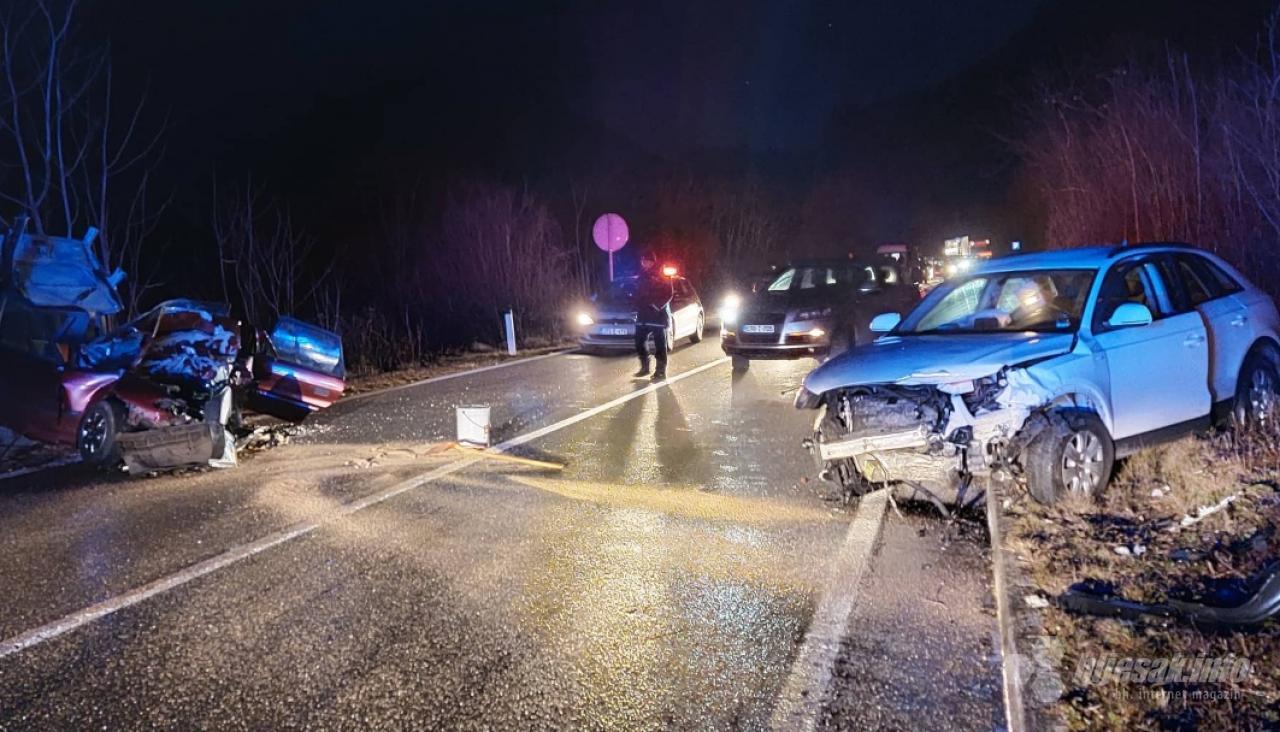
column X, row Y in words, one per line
column 1249, row 610
column 161, row 391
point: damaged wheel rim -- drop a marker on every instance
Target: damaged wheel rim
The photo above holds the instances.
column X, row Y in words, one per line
column 1082, row 463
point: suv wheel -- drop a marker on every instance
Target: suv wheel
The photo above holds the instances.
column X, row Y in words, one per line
column 1073, row 455
column 1258, row 390
column 96, row 435
column 697, row 333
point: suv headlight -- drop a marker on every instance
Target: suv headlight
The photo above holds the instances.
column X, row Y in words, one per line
column 813, row 314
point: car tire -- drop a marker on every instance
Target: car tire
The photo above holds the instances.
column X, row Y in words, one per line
column 741, row 363
column 697, row 333
column 1257, row 397
column 1073, row 455
column 96, row 434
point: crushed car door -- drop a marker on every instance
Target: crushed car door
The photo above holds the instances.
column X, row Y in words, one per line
column 297, row 369
column 1159, row 372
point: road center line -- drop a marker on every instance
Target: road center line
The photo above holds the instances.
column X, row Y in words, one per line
column 801, row 698
column 79, row 618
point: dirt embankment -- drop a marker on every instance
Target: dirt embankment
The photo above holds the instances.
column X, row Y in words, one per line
column 1194, row 520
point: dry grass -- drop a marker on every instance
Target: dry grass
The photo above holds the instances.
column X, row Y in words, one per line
column 1134, row 538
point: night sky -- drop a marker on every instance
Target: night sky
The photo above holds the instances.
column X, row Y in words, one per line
column 901, row 104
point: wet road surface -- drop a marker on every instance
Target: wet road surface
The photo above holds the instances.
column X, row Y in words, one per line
column 664, row 579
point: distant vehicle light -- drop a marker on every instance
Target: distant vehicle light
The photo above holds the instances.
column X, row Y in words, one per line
column 669, row 270
column 585, row 319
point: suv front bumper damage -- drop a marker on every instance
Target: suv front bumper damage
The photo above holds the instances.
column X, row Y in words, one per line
column 923, row 438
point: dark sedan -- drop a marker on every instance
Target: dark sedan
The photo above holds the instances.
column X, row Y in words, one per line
column 813, row 309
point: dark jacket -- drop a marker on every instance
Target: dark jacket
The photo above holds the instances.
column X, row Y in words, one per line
column 653, row 296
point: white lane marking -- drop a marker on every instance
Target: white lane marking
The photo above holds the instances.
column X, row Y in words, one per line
column 587, row 414
column 68, row 623
column 454, row 375
column 801, row 698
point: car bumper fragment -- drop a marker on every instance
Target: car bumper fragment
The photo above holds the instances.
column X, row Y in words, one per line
column 200, row 443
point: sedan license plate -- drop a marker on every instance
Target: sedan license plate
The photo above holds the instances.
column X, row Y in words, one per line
column 618, row 331
column 757, row 329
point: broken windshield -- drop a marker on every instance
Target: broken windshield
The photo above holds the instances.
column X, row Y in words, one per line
column 1044, row 301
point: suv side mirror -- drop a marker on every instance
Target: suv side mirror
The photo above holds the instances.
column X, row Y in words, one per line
column 885, row 322
column 1130, row 314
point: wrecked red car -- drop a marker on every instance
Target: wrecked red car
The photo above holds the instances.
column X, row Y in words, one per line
column 163, row 390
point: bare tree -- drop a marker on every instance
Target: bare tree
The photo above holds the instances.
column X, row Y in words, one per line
column 747, row 224
column 71, row 159
column 265, row 263
column 502, row 248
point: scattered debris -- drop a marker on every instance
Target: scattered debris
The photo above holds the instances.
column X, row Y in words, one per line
column 504, row 457
column 1175, row 559
column 1254, row 610
column 1205, row 512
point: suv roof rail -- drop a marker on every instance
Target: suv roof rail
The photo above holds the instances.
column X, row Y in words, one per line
column 1123, row 248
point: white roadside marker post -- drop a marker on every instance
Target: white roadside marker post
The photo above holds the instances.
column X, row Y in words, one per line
column 509, row 321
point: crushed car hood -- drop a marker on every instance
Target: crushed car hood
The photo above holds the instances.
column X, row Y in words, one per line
column 933, row 359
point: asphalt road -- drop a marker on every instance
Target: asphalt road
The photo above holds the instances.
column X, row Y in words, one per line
column 364, row 578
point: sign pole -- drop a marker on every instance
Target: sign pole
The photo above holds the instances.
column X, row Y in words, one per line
column 610, row 234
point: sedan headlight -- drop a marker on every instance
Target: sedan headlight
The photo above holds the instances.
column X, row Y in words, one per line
column 728, row 310
column 813, row 314
column 584, row 318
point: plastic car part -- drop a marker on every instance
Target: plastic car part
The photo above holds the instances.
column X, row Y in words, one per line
column 1257, row 609
column 171, row 447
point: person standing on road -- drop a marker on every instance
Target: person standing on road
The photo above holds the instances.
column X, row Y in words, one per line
column 653, row 310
